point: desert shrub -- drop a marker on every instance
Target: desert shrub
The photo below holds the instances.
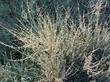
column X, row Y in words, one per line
column 61, row 50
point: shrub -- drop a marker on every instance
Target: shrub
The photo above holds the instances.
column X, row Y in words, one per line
column 60, row 49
